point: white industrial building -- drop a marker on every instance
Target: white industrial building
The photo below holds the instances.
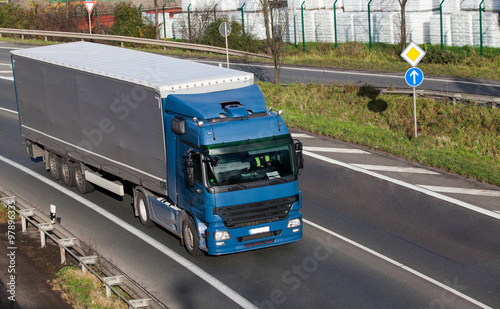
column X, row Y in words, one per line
column 461, row 23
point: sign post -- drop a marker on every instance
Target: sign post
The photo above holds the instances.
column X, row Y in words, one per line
column 225, row 31
column 89, row 5
column 414, row 76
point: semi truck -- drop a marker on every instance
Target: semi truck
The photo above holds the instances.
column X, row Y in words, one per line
column 194, row 145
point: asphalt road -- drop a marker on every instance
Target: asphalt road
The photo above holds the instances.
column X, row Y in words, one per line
column 375, row 235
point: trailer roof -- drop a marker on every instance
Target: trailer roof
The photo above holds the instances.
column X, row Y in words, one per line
column 165, row 74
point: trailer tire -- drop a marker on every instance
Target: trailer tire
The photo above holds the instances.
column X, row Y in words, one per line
column 143, row 210
column 68, row 172
column 190, row 236
column 81, row 183
column 55, row 166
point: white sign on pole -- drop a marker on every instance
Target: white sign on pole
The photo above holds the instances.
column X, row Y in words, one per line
column 225, row 30
column 89, row 5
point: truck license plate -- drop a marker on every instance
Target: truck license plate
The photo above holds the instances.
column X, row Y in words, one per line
column 259, row 230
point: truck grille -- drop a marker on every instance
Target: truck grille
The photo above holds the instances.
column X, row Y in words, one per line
column 256, row 213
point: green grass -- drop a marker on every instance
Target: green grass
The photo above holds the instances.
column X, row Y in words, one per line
column 462, row 138
column 84, row 290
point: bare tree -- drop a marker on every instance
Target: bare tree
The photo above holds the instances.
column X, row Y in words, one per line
column 402, row 24
column 157, row 25
column 276, row 44
column 265, row 12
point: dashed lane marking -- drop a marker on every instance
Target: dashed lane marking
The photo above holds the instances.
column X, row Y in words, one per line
column 8, row 110
column 395, row 169
column 301, row 135
column 335, row 150
column 462, row 191
column 437, row 195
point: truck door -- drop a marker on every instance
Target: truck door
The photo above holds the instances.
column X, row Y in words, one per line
column 189, row 193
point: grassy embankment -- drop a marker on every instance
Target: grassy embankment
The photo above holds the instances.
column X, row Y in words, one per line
column 462, row 138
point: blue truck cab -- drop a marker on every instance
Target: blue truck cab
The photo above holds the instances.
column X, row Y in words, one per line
column 236, row 169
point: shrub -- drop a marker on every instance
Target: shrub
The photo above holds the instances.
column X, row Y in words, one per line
column 129, row 22
column 236, row 40
column 11, row 16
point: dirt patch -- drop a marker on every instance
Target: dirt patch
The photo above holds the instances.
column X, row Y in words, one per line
column 33, row 270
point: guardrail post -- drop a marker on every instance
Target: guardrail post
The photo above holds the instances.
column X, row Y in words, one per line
column 111, row 281
column 86, row 260
column 44, row 227
column 24, row 214
column 63, row 245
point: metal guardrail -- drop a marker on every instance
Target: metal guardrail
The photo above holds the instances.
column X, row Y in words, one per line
column 123, row 39
column 81, row 253
column 482, row 100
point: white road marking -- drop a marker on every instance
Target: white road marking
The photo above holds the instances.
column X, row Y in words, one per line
column 336, row 150
column 397, row 264
column 7, row 78
column 462, row 191
column 395, row 169
column 477, row 209
column 8, row 110
column 301, row 135
column 216, row 283
column 5, row 71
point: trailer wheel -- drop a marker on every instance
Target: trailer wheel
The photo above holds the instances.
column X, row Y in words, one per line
column 68, row 172
column 81, row 184
column 55, row 166
column 190, row 236
column 143, row 209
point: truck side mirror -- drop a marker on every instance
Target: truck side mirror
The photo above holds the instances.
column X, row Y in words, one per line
column 178, row 125
column 299, row 159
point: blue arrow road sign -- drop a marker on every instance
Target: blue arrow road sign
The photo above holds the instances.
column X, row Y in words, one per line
column 414, row 77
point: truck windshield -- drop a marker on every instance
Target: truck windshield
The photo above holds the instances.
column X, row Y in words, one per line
column 247, row 161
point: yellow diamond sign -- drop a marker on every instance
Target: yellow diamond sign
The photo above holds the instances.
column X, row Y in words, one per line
column 413, row 54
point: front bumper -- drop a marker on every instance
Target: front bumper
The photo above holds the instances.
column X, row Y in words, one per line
column 265, row 235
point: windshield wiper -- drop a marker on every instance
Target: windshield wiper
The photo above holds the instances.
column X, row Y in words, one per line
column 237, row 186
column 276, row 181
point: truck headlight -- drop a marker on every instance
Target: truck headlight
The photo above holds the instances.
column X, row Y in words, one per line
column 221, row 235
column 293, row 223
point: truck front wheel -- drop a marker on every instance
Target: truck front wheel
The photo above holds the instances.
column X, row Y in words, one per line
column 143, row 209
column 55, row 166
column 190, row 236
